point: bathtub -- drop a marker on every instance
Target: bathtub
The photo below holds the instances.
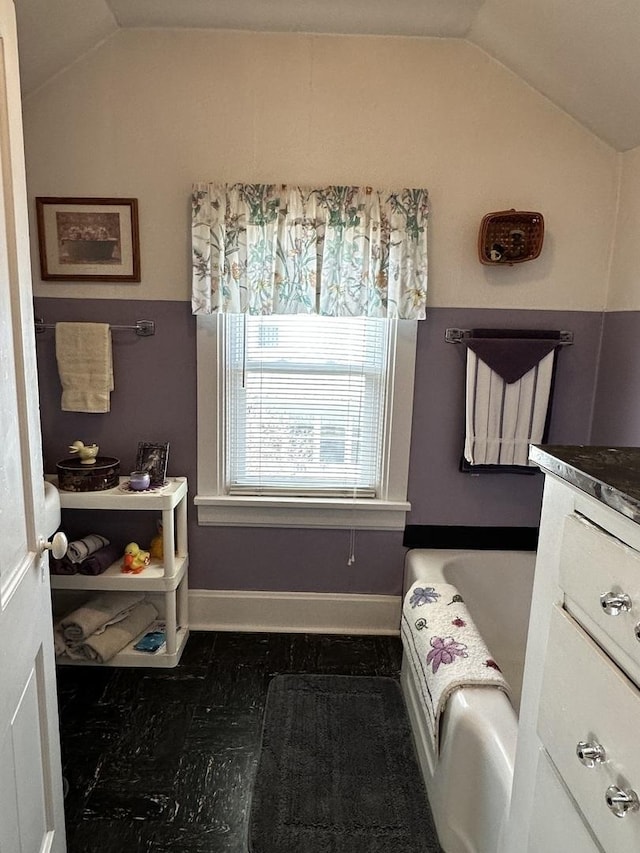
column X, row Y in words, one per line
column 469, row 784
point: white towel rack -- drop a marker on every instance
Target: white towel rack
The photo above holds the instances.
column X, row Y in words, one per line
column 143, row 328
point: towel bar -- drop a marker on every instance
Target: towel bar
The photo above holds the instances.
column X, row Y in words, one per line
column 457, row 336
column 143, row 328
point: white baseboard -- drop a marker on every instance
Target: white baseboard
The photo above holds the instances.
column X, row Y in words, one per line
column 293, row 612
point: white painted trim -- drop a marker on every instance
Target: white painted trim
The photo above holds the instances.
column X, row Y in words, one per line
column 293, row 612
column 327, row 513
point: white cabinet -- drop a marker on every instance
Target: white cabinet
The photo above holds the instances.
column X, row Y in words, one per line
column 586, row 700
column 559, row 826
column 577, row 770
column 163, row 581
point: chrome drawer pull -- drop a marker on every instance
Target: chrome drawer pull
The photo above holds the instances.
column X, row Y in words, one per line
column 620, row 802
column 590, row 753
column 614, row 603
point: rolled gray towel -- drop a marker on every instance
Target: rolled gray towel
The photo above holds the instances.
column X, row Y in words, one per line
column 97, row 613
column 80, row 549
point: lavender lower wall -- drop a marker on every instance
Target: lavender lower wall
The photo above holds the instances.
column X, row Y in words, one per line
column 155, row 400
column 616, row 418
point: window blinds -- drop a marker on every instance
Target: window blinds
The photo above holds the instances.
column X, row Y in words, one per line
column 305, row 404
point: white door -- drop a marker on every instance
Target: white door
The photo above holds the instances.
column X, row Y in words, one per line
column 31, row 802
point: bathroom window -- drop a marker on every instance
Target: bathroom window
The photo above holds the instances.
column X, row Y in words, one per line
column 297, row 406
column 295, row 418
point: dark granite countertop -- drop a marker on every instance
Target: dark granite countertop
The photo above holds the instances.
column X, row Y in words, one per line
column 609, row 474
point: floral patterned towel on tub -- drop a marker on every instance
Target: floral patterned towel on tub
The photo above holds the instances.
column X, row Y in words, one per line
column 445, row 648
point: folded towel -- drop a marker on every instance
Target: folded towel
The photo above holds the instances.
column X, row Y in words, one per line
column 58, row 640
column 94, row 564
column 503, row 417
column 445, row 648
column 80, row 549
column 103, row 646
column 507, row 354
column 63, row 566
column 83, row 353
column 98, row 613
column 108, row 641
column 100, row 560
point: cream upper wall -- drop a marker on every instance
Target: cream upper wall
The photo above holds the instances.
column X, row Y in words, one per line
column 624, row 292
column 149, row 112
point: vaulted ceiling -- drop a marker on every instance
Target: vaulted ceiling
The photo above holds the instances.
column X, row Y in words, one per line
column 584, row 55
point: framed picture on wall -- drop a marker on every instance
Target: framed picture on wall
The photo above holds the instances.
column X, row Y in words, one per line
column 88, row 239
column 153, row 458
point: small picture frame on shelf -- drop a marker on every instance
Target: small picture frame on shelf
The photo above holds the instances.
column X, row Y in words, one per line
column 153, row 458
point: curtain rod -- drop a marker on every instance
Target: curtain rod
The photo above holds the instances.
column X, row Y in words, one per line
column 458, row 336
column 143, row 328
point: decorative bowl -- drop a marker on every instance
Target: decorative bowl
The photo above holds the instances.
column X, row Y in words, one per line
column 73, row 476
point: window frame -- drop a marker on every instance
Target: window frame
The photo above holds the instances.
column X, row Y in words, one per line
column 384, row 512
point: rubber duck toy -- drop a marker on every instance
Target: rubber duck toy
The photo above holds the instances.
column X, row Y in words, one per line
column 86, row 452
column 156, row 547
column 135, row 559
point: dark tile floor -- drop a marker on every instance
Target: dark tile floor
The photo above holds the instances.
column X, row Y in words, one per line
column 161, row 761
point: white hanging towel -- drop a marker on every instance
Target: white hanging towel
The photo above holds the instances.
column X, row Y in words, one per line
column 506, row 407
column 85, row 366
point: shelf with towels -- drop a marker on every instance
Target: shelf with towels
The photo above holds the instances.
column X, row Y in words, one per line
column 142, row 328
column 164, row 581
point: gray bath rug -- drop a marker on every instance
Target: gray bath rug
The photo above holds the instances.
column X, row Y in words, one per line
column 337, row 771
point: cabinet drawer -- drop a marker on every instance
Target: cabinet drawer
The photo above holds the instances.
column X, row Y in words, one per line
column 557, row 824
column 586, row 698
column 593, row 563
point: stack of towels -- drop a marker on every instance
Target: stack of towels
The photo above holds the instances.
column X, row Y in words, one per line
column 91, row 555
column 103, row 626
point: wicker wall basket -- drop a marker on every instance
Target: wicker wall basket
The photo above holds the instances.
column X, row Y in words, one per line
column 510, row 237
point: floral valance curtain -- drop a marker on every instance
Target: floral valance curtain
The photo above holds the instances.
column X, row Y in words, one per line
column 339, row 251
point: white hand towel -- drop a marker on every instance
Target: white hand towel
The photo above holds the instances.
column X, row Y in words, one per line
column 83, row 352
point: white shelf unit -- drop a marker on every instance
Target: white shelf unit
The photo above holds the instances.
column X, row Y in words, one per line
column 166, row 578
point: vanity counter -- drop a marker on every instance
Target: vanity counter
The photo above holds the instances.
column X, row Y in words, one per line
column 609, row 474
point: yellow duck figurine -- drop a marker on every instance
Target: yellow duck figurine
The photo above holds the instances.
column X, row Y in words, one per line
column 86, row 452
column 156, row 547
column 135, row 559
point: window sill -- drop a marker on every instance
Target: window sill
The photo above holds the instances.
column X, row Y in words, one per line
column 330, row 513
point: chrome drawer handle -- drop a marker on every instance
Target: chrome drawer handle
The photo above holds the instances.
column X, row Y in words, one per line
column 620, row 802
column 590, row 753
column 614, row 603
